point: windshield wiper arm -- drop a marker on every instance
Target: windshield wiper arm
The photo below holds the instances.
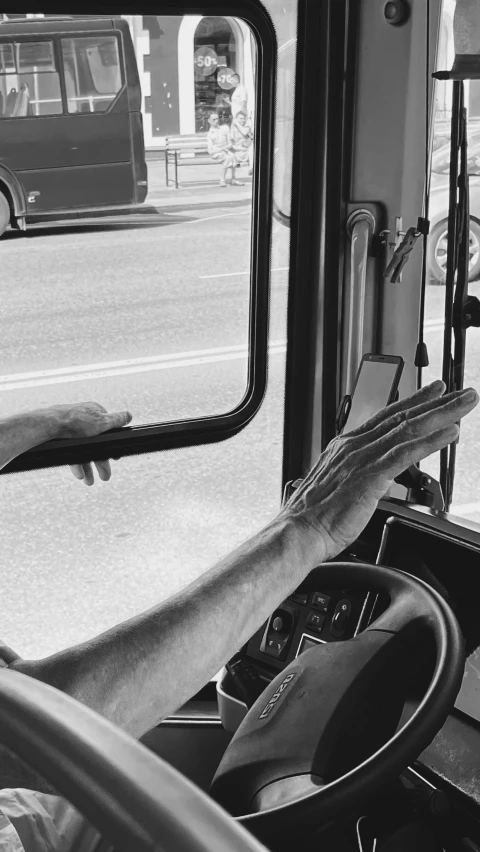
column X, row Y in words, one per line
column 456, row 284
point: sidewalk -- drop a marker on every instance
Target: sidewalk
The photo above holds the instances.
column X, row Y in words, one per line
column 198, row 185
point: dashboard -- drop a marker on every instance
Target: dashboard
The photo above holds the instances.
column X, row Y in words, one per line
column 421, row 542
column 307, row 618
column 443, row 552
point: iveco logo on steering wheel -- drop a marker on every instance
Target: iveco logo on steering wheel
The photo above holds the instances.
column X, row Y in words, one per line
column 276, row 695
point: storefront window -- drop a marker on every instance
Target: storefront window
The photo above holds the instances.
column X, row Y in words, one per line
column 215, row 62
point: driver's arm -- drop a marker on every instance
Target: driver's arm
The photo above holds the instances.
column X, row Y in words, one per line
column 22, row 432
column 141, row 671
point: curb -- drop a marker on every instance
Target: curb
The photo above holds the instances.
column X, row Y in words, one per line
column 193, row 201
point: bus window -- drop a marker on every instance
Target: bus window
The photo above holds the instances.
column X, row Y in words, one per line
column 29, row 81
column 7, row 62
column 92, row 72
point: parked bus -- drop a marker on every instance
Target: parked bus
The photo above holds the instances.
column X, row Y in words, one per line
column 71, row 133
column 260, row 631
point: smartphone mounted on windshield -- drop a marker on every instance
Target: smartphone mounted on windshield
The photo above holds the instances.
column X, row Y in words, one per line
column 375, row 386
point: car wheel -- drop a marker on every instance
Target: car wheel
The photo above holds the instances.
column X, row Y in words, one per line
column 437, row 252
column 4, row 214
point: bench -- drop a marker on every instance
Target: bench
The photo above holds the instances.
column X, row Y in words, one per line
column 186, row 149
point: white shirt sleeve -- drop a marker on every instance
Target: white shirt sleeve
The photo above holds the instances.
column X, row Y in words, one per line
column 37, row 822
column 238, row 100
column 9, row 839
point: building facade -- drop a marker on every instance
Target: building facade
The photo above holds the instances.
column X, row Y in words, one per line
column 185, row 67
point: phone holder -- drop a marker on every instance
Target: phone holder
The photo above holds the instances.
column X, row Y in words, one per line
column 343, row 411
column 421, row 488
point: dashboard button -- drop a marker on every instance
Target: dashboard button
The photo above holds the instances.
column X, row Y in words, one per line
column 340, row 617
column 321, row 601
column 300, row 598
column 275, row 647
column 277, row 624
column 315, row 621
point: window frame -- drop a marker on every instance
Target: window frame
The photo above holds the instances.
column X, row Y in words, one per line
column 156, row 437
column 321, row 174
column 56, row 38
column 10, row 44
column 18, row 44
column 116, row 34
column 16, row 40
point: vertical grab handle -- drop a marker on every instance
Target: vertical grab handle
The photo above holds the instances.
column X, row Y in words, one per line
column 360, row 229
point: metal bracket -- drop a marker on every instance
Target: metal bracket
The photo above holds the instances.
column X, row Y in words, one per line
column 422, row 488
column 471, row 312
column 401, row 254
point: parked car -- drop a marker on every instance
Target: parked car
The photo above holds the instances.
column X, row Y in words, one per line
column 438, row 211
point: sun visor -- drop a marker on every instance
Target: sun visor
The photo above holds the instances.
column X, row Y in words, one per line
column 466, row 33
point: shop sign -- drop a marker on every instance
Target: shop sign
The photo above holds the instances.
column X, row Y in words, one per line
column 224, row 78
column 205, row 60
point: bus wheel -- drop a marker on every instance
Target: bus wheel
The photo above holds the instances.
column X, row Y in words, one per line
column 4, row 214
column 437, row 252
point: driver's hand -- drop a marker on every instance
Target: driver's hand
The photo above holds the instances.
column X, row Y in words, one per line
column 85, row 420
column 7, row 655
column 338, row 497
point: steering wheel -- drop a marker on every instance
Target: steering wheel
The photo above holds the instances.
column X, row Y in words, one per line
column 322, row 740
column 136, row 800
column 140, row 802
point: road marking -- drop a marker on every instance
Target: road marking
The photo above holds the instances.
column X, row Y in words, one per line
column 465, row 509
column 287, row 44
column 63, row 375
column 231, row 274
column 210, row 218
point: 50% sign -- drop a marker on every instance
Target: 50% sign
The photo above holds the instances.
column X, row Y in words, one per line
column 205, row 60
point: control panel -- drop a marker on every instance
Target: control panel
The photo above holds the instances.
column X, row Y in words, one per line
column 307, row 618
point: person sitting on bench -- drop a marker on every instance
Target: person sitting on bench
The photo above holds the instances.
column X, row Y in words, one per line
column 241, row 137
column 220, row 149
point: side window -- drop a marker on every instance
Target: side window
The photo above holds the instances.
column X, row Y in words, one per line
column 29, row 81
column 92, row 72
column 465, row 501
column 441, row 157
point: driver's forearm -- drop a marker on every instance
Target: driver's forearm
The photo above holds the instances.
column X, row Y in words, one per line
column 143, row 670
column 21, row 432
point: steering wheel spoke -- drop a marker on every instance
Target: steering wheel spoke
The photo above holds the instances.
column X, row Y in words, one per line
column 339, row 702
column 409, row 612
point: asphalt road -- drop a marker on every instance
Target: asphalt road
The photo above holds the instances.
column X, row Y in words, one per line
column 152, row 318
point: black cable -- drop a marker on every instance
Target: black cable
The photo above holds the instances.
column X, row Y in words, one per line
column 452, row 264
column 461, row 285
column 421, row 355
